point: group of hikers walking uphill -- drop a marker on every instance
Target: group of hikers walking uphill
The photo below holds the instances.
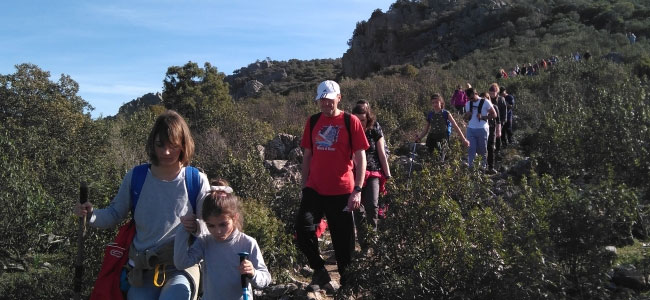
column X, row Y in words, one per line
column 185, row 240
column 489, row 118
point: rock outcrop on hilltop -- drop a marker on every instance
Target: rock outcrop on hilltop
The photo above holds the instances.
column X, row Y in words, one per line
column 146, row 100
column 281, row 77
column 417, row 32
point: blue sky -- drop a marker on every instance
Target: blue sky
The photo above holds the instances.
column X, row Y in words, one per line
column 120, row 50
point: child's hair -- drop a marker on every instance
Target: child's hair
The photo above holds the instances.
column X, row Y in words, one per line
column 219, row 182
column 437, row 96
column 171, row 127
column 216, row 204
column 363, row 109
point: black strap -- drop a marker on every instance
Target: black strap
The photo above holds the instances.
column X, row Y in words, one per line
column 480, row 107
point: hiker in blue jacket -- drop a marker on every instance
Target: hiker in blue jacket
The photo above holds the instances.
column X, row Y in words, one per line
column 162, row 200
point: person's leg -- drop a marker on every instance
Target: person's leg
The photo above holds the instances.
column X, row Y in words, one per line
column 509, row 130
column 504, row 134
column 370, row 201
column 177, row 286
column 490, row 148
column 473, row 139
column 309, row 216
column 444, row 147
column 481, row 145
column 497, row 145
column 146, row 291
column 341, row 230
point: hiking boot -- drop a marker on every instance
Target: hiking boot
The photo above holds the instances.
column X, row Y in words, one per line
column 319, row 280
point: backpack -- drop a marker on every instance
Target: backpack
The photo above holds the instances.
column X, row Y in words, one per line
column 312, row 123
column 438, row 128
column 480, row 108
column 111, row 281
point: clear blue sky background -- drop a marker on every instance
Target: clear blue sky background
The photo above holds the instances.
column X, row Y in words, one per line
column 120, row 50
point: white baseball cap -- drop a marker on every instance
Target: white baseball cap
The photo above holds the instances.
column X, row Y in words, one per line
column 327, row 89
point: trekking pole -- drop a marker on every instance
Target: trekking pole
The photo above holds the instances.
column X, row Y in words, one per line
column 78, row 265
column 412, row 157
column 244, row 283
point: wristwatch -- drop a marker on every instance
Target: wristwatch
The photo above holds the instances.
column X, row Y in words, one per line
column 357, row 188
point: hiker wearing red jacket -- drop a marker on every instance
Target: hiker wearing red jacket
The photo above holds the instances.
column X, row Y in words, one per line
column 330, row 187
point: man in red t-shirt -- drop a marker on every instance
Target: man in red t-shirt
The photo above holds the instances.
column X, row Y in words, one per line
column 330, row 187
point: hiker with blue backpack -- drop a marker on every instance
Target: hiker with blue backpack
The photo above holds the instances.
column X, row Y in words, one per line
column 156, row 195
column 438, row 128
column 219, row 248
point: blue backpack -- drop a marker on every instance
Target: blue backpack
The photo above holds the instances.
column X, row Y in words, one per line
column 192, row 184
column 114, row 267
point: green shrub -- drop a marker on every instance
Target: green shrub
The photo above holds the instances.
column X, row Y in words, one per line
column 276, row 244
column 451, row 237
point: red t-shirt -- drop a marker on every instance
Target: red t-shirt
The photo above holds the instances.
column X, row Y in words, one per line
column 330, row 170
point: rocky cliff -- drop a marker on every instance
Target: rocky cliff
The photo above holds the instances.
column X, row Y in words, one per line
column 421, row 31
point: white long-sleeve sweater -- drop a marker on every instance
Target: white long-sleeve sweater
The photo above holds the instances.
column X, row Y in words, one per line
column 221, row 277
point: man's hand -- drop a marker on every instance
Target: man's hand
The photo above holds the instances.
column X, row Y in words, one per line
column 354, row 201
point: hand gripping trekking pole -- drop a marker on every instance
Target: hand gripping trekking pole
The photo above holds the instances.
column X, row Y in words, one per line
column 78, row 265
column 244, row 282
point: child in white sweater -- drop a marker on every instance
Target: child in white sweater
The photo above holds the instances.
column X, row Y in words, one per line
column 219, row 249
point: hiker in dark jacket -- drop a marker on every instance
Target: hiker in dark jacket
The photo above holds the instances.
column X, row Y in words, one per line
column 506, row 134
column 503, row 114
column 377, row 172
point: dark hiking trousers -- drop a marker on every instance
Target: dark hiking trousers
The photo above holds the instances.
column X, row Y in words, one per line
column 369, row 218
column 313, row 207
column 507, row 133
column 491, row 147
column 441, row 145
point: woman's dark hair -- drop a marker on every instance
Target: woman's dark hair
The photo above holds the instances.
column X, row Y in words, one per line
column 470, row 92
column 171, row 127
column 439, row 97
column 216, row 204
column 363, row 109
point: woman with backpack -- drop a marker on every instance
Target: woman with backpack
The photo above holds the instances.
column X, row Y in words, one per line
column 377, row 172
column 163, row 196
column 495, row 126
column 438, row 128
